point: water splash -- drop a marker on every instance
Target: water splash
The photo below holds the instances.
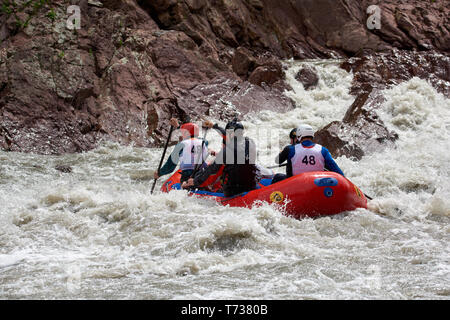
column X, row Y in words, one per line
column 98, row 233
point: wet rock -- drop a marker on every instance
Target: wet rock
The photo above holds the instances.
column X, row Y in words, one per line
column 257, row 4
column 195, row 5
column 415, row 24
column 269, row 72
column 384, row 69
column 361, row 132
column 224, row 98
column 95, row 3
column 243, row 62
column 63, row 168
column 308, row 77
column 277, row 27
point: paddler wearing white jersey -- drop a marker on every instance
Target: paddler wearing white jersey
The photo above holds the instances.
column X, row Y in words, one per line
column 307, row 156
column 191, row 153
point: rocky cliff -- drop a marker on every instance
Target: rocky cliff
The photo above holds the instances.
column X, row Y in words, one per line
column 131, row 65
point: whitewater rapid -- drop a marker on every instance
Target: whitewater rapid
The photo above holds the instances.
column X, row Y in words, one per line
column 97, row 233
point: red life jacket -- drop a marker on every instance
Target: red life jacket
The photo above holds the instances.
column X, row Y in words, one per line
column 214, row 181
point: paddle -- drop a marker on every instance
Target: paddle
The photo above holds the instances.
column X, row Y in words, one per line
column 285, row 164
column 162, row 157
column 277, row 166
column 199, row 165
column 370, row 198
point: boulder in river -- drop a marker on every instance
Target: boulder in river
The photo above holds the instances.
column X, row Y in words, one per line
column 308, row 77
column 361, row 132
column 63, row 168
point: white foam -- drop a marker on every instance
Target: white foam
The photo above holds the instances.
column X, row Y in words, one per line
column 98, row 233
column 417, row 170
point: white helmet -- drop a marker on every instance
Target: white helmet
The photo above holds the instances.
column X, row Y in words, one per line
column 304, row 130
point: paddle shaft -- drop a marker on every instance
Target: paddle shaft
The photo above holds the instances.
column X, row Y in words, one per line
column 199, row 165
column 277, row 166
column 162, row 157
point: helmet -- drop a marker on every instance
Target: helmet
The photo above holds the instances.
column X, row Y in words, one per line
column 234, row 125
column 190, row 128
column 304, row 130
column 293, row 133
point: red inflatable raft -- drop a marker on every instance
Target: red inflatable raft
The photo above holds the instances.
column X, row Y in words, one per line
column 308, row 194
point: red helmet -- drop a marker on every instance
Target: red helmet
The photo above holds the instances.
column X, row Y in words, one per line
column 189, row 129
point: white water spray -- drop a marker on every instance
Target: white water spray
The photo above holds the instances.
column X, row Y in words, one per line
column 97, row 233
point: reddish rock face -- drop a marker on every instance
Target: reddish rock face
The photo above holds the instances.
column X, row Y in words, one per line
column 243, row 62
column 134, row 64
column 121, row 76
column 391, row 67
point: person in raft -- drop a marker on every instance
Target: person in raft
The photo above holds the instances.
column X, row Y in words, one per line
column 305, row 155
column 190, row 152
column 236, row 161
column 284, row 156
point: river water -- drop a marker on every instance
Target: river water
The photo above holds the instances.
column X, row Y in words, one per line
column 97, row 233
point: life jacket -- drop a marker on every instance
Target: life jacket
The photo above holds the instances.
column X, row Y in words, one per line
column 214, row 181
column 307, row 159
column 194, row 153
column 242, row 171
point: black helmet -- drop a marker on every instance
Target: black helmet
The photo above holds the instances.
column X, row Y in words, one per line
column 293, row 133
column 234, row 125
